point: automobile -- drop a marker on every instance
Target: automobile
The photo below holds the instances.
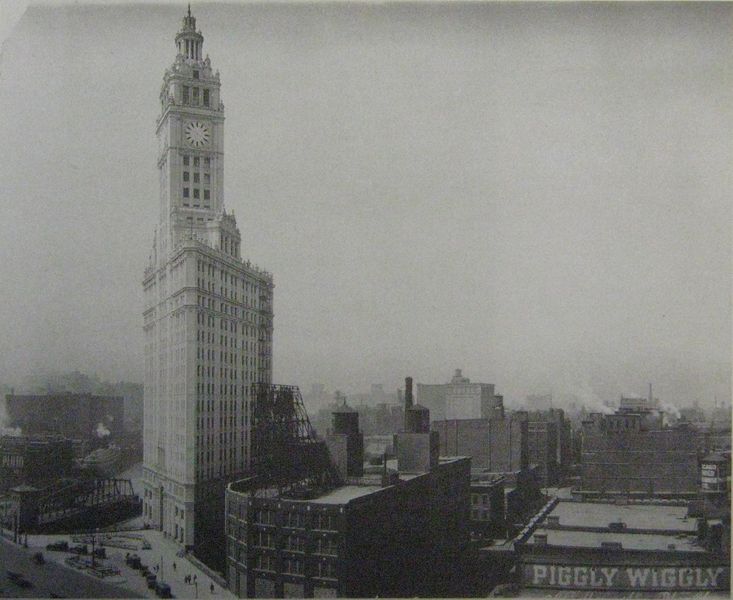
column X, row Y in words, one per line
column 150, row 580
column 163, row 590
column 133, row 561
column 61, row 546
column 19, row 580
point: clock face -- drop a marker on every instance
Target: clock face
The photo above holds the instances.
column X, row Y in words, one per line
column 197, row 133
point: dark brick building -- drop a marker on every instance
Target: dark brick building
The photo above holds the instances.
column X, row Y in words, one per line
column 622, row 456
column 496, row 445
column 399, row 532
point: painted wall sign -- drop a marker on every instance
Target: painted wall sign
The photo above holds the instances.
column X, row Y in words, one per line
column 627, row 578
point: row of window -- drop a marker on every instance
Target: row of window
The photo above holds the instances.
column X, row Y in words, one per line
column 196, row 161
column 196, row 96
column 197, row 177
column 297, row 520
column 196, row 193
column 294, row 566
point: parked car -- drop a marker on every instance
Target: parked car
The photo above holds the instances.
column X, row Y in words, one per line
column 133, row 561
column 163, row 590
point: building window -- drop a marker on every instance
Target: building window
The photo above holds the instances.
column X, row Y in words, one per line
column 293, row 566
column 326, row 546
column 295, row 519
column 206, row 97
column 326, row 569
column 264, row 540
column 265, row 563
column 295, row 543
column 207, row 178
column 195, row 177
column 185, row 192
column 195, row 96
column 206, row 194
column 195, row 161
column 185, row 161
column 207, row 161
column 185, row 94
column 195, row 74
column 195, row 192
column 185, row 176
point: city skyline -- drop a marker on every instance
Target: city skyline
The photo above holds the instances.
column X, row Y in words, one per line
column 416, row 176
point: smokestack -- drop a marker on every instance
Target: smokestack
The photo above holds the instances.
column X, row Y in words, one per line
column 408, row 392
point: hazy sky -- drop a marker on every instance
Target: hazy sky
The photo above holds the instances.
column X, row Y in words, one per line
column 539, row 194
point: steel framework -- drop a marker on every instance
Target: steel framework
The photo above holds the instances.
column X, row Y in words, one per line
column 286, row 453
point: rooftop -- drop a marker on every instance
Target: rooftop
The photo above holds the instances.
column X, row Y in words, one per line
column 345, row 494
column 628, row 541
column 636, row 516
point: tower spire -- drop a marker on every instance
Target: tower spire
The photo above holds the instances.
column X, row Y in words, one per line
column 189, row 9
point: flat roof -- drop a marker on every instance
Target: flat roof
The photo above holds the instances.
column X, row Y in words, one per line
column 628, row 541
column 342, row 495
column 636, row 516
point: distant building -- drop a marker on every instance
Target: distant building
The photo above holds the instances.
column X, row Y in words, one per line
column 395, row 532
column 460, row 399
column 622, row 455
column 497, row 445
column 34, row 459
column 580, row 547
column 542, row 438
column 69, row 415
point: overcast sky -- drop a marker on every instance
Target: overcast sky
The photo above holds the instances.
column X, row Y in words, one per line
column 539, row 194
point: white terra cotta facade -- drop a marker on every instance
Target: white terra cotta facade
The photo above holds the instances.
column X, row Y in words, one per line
column 207, row 315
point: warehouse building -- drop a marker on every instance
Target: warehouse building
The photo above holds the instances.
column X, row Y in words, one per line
column 623, row 456
column 617, row 548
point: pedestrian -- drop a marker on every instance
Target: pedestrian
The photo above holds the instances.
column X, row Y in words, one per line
column 211, row 587
column 174, row 566
column 194, row 577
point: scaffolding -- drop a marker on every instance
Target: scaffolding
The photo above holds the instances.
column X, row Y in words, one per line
column 286, row 454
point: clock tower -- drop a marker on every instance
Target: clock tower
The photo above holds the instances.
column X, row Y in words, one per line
column 207, row 317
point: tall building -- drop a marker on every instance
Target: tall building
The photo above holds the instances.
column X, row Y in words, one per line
column 207, row 315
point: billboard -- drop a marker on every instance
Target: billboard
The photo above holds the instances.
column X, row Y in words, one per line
column 593, row 577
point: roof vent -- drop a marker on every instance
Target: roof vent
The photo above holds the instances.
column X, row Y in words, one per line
column 553, row 520
column 540, row 539
column 617, row 526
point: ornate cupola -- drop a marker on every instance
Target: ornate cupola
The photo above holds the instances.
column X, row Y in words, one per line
column 189, row 41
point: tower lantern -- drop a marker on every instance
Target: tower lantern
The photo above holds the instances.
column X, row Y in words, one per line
column 188, row 41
